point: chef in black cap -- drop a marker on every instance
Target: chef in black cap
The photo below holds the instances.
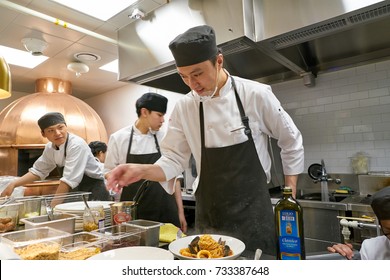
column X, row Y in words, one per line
column 71, row 155
column 225, row 122
column 377, row 248
column 140, row 143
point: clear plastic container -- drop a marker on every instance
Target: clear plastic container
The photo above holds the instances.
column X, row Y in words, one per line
column 25, row 237
column 151, row 231
column 9, row 216
column 119, row 236
column 44, row 250
column 82, row 245
column 31, row 207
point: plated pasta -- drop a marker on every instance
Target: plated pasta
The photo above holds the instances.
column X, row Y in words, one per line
column 205, row 247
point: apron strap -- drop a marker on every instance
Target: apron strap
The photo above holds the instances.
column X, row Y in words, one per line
column 201, row 124
column 244, row 118
column 131, row 141
column 157, row 145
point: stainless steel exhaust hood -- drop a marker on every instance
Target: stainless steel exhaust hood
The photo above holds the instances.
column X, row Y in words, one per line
column 264, row 40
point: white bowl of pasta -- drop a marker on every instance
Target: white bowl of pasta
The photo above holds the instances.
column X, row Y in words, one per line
column 207, row 246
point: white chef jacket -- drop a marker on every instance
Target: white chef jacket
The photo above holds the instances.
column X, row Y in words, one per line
column 118, row 145
column 79, row 161
column 377, row 248
column 221, row 119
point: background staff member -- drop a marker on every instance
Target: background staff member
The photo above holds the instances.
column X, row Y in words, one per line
column 377, row 248
column 224, row 122
column 139, row 143
column 99, row 150
column 68, row 152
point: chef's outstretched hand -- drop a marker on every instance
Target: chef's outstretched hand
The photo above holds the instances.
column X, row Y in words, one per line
column 123, row 175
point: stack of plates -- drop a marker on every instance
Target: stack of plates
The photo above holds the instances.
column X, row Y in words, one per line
column 78, row 207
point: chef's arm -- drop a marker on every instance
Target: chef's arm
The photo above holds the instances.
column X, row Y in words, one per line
column 180, row 208
column 62, row 189
column 291, row 180
column 125, row 174
column 25, row 179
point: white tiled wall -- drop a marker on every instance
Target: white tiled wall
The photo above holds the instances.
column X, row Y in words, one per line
column 346, row 112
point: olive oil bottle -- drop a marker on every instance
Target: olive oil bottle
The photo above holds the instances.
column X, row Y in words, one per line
column 289, row 228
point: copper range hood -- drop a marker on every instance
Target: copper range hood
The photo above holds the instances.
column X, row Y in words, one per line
column 21, row 141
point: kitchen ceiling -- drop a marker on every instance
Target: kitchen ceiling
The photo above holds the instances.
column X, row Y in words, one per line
column 64, row 43
column 317, row 44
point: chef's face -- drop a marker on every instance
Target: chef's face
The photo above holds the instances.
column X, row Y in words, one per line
column 155, row 119
column 202, row 77
column 56, row 133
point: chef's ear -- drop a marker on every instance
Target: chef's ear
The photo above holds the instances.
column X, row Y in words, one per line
column 219, row 60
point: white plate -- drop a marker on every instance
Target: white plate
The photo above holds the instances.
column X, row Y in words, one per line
column 134, row 253
column 79, row 206
column 235, row 244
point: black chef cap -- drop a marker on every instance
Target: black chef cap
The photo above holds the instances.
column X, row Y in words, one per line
column 50, row 119
column 194, row 46
column 153, row 102
column 381, row 204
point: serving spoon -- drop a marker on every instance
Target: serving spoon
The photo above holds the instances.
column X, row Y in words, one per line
column 89, row 209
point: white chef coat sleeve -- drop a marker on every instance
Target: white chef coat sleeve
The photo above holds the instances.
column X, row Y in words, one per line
column 376, row 248
column 278, row 124
column 43, row 165
column 174, row 148
column 112, row 155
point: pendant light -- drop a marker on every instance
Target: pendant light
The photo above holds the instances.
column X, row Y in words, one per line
column 78, row 67
column 5, row 79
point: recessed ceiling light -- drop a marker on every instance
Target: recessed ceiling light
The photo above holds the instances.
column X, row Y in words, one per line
column 21, row 58
column 86, row 56
column 102, row 10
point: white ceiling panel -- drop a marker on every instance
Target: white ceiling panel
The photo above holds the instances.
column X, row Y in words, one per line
column 63, row 43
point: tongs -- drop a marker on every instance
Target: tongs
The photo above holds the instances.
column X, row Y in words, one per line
column 7, row 200
column 49, row 210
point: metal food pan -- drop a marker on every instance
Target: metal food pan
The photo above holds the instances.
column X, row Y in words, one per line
column 62, row 221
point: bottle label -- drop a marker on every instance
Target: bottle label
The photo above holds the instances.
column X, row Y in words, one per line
column 121, row 217
column 289, row 239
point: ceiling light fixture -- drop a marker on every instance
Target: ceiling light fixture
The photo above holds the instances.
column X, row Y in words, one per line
column 78, row 67
column 137, row 14
column 86, row 56
column 34, row 46
column 5, row 79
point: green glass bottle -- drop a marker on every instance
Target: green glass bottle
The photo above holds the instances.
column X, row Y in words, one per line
column 289, row 228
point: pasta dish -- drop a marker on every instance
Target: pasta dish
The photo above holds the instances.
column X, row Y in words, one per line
column 205, row 247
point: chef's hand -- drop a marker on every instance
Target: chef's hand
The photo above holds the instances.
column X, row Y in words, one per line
column 123, row 175
column 346, row 250
column 8, row 190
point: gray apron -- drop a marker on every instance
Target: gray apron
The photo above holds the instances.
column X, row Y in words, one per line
column 155, row 203
column 232, row 197
column 95, row 186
